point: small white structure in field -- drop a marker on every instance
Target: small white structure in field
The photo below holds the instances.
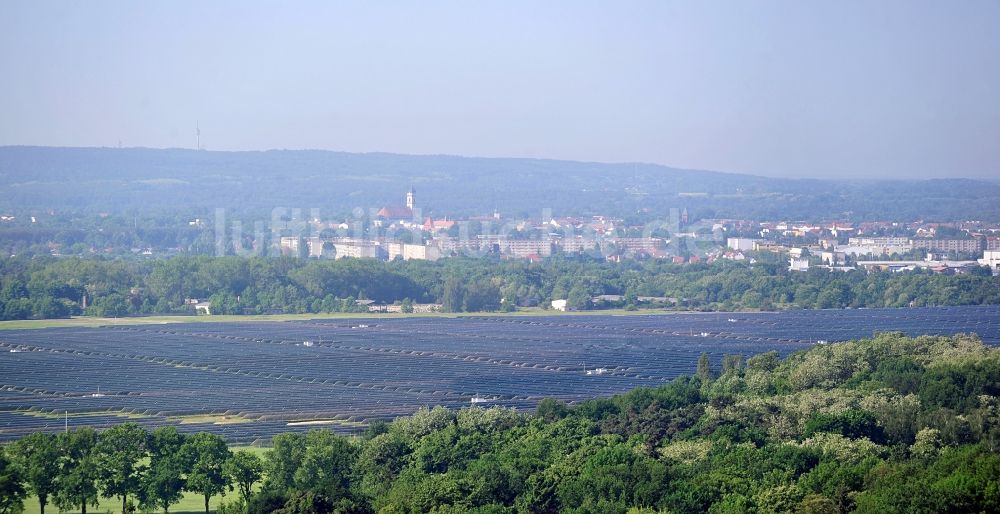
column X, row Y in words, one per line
column 203, row 308
column 559, row 305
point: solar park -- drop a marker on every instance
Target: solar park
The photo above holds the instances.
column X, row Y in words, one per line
column 249, row 381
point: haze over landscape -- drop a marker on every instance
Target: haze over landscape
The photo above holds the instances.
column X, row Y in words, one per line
column 640, row 257
column 895, row 89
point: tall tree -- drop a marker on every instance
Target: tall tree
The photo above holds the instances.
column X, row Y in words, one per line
column 704, row 370
column 481, row 295
column 731, row 363
column 11, row 488
column 326, row 465
column 119, row 451
column 244, row 469
column 163, row 482
column 284, row 459
column 453, row 297
column 37, row 455
column 205, row 455
column 78, row 471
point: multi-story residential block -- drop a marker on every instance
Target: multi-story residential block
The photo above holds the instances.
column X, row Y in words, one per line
column 357, row 249
column 862, row 250
column 834, row 258
column 879, row 241
column 429, row 252
column 290, row 245
column 638, row 244
column 949, row 245
column 578, row 244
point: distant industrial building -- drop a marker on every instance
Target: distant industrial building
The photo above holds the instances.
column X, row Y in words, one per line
column 937, row 266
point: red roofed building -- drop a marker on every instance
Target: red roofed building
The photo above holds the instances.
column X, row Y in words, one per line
column 399, row 213
column 395, row 213
column 432, row 225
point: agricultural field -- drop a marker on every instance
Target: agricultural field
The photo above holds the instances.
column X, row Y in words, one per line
column 249, row 380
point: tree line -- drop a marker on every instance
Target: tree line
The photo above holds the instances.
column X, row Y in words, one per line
column 887, row 424
column 147, row 470
column 45, row 287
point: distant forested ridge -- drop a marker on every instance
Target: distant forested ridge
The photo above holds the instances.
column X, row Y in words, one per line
column 47, row 287
column 193, row 183
column 888, row 424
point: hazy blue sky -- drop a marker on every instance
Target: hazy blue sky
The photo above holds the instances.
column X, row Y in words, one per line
column 797, row 88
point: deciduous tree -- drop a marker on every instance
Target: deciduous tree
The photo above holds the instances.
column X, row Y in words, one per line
column 79, row 470
column 11, row 487
column 204, row 456
column 244, row 469
column 119, row 452
column 37, row 455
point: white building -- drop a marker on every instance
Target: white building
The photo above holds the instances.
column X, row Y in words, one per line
column 316, row 247
column 290, row 245
column 559, row 305
column 879, row 241
column 357, row 250
column 740, row 243
column 518, row 248
column 937, row 266
column 834, row 258
column 639, row 244
column 578, row 244
column 991, row 258
column 798, row 264
column 862, row 250
column 407, row 252
column 203, row 308
column 949, row 245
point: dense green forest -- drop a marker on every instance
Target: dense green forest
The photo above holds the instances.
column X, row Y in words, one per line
column 887, row 424
column 45, row 287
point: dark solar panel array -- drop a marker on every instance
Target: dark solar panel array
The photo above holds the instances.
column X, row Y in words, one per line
column 353, row 371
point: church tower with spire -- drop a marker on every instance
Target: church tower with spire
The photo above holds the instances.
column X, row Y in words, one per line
column 410, row 198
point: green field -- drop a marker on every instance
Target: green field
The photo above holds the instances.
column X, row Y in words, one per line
column 82, row 321
column 193, row 503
